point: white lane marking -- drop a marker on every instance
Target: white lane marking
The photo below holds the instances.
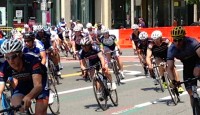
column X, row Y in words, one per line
column 90, row 87
column 148, row 103
column 140, row 65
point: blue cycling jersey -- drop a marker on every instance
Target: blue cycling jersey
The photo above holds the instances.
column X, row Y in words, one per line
column 37, row 48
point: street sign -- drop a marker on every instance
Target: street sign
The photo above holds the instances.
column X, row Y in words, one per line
column 19, row 13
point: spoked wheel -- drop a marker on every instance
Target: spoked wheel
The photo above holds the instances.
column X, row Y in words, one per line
column 54, row 104
column 196, row 107
column 116, row 72
column 114, row 97
column 174, row 94
column 157, row 73
column 52, row 73
column 100, row 95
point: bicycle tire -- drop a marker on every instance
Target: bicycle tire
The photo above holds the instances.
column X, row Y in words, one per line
column 158, row 78
column 52, row 71
column 116, row 72
column 55, row 105
column 171, row 90
column 196, row 106
column 103, row 105
column 114, row 100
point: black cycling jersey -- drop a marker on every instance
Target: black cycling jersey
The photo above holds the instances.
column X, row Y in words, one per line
column 77, row 43
column 45, row 39
column 160, row 51
column 32, row 65
column 143, row 45
column 135, row 38
column 91, row 55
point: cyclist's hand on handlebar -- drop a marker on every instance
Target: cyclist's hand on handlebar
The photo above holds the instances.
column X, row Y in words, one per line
column 175, row 83
column 27, row 102
column 120, row 52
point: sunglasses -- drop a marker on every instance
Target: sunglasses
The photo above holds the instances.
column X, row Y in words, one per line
column 12, row 57
column 27, row 41
column 177, row 39
column 85, row 45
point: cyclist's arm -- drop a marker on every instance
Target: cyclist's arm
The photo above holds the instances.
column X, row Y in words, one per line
column 2, row 87
column 198, row 52
column 43, row 57
column 133, row 45
column 140, row 54
column 170, row 69
column 148, row 58
column 37, row 86
column 82, row 64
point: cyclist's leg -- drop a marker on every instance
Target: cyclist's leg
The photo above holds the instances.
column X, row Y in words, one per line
column 55, row 60
column 196, row 71
column 108, row 75
column 17, row 100
column 161, row 69
column 108, row 56
column 177, row 78
column 42, row 103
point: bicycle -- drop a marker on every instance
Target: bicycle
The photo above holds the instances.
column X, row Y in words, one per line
column 12, row 110
column 195, row 96
column 51, row 70
column 106, row 92
column 54, row 103
column 114, row 65
column 157, row 74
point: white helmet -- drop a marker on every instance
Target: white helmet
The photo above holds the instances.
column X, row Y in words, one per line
column 88, row 25
column 11, row 45
column 77, row 28
column 143, row 35
column 85, row 41
column 156, row 34
column 26, row 26
column 104, row 30
column 135, row 26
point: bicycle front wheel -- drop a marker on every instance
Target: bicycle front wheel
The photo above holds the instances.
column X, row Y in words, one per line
column 157, row 73
column 99, row 92
column 116, row 72
column 196, row 106
column 54, row 104
column 172, row 92
column 114, row 97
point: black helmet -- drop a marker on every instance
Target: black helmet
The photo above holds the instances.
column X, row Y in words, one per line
column 29, row 35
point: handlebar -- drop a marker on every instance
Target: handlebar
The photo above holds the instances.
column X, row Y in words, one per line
column 12, row 108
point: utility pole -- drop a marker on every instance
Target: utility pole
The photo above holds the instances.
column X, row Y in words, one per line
column 43, row 9
column 132, row 12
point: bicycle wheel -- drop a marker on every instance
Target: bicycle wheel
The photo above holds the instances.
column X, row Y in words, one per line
column 157, row 74
column 114, row 97
column 196, row 106
column 116, row 72
column 54, row 104
column 52, row 71
column 100, row 93
column 172, row 92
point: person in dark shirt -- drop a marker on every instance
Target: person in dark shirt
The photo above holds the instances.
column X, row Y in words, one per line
column 187, row 50
column 135, row 37
column 29, row 77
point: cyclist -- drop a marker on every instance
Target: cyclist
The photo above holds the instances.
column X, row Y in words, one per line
column 109, row 43
column 187, row 50
column 95, row 56
column 91, row 33
column 135, row 37
column 142, row 49
column 29, row 77
column 34, row 47
column 158, row 48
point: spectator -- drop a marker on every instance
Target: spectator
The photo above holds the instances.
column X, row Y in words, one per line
column 141, row 23
column 175, row 22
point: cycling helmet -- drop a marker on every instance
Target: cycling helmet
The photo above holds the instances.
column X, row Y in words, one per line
column 11, row 45
column 135, row 26
column 29, row 35
column 85, row 41
column 143, row 35
column 104, row 30
column 26, row 26
column 88, row 25
column 178, row 31
column 13, row 31
column 77, row 28
column 40, row 27
column 156, row 34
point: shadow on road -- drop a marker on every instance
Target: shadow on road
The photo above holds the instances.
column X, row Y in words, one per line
column 96, row 107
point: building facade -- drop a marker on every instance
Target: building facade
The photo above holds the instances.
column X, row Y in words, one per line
column 123, row 13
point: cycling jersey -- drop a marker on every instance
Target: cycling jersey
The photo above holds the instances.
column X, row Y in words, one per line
column 37, row 48
column 187, row 55
column 1, row 55
column 143, row 45
column 135, row 38
column 91, row 55
column 32, row 65
column 109, row 42
column 45, row 39
column 77, row 43
column 160, row 51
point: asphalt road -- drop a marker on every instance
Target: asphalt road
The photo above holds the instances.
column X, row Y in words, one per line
column 137, row 96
